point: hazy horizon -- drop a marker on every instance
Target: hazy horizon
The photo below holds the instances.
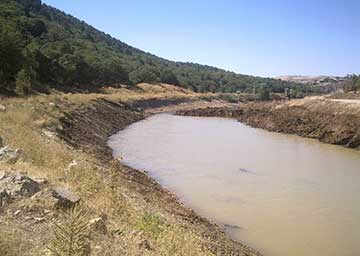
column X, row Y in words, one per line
column 262, row 38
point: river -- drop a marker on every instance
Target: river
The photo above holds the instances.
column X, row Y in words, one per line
column 281, row 194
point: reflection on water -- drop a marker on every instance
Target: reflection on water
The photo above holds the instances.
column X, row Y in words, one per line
column 281, row 194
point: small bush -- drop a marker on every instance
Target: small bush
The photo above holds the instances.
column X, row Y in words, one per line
column 71, row 237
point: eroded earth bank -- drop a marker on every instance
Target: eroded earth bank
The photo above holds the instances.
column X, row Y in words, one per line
column 328, row 120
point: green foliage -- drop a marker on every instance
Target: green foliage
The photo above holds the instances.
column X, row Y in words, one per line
column 71, row 237
column 264, row 92
column 143, row 75
column 76, row 69
column 11, row 57
column 168, row 77
column 66, row 53
column 35, row 27
column 151, row 224
column 25, row 81
column 292, row 93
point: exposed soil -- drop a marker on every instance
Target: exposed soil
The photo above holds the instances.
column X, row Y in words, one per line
column 89, row 127
column 157, row 103
column 326, row 120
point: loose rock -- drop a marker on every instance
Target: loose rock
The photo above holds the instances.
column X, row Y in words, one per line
column 144, row 244
column 4, row 198
column 40, row 180
column 99, row 224
column 16, row 185
column 9, row 155
column 2, row 108
column 65, row 197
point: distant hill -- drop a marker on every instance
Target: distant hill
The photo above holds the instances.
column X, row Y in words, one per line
column 313, row 80
column 41, row 46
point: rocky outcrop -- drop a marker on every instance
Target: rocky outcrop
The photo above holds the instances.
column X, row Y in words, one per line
column 16, row 185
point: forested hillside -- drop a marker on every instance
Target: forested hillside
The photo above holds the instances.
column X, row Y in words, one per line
column 42, row 47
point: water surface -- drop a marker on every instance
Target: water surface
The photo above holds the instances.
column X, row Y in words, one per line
column 281, row 194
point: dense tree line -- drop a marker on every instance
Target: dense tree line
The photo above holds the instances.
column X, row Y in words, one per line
column 40, row 45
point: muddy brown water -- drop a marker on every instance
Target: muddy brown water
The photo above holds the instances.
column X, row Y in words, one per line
column 281, row 194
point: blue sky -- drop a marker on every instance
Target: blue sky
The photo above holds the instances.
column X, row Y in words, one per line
column 265, row 38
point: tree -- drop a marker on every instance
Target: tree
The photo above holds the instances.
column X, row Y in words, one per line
column 286, row 93
column 31, row 5
column 77, row 71
column 143, row 75
column 36, row 27
column 25, row 81
column 112, row 72
column 352, row 84
column 168, row 77
column 292, row 93
column 264, row 92
column 11, row 56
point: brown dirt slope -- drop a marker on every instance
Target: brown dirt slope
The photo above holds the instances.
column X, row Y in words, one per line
column 323, row 119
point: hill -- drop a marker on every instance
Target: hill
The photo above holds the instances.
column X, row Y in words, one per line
column 41, row 47
column 314, row 80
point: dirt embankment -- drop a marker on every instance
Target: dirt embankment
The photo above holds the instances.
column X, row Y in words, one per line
column 326, row 120
column 89, row 127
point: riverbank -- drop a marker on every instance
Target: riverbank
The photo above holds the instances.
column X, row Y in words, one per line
column 328, row 120
column 62, row 142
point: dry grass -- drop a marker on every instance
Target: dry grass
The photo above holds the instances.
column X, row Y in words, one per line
column 12, row 243
column 26, row 125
